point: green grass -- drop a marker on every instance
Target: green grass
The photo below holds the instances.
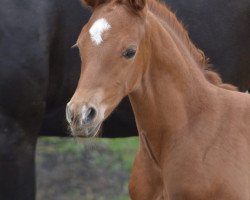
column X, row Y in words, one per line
column 123, row 198
column 123, row 148
column 62, row 145
column 116, row 155
column 113, row 154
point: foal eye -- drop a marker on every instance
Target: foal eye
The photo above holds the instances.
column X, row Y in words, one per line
column 129, row 53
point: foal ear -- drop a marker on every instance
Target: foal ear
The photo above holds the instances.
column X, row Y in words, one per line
column 137, row 5
column 93, row 3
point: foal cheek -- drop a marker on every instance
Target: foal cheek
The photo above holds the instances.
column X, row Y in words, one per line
column 133, row 80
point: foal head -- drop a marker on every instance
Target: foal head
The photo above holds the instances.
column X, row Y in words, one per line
column 111, row 51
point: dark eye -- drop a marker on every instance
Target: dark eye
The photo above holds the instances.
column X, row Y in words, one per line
column 129, row 53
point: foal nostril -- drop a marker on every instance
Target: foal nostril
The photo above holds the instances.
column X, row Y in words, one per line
column 69, row 115
column 90, row 114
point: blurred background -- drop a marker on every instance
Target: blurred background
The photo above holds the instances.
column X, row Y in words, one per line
column 84, row 169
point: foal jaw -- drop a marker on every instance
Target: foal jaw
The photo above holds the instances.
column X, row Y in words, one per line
column 86, row 132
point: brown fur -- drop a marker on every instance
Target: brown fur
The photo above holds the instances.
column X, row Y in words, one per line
column 135, row 5
column 194, row 136
column 93, row 3
column 162, row 11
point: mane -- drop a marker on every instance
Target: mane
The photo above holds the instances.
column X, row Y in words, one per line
column 163, row 12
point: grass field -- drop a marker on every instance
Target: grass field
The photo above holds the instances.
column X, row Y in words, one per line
column 96, row 169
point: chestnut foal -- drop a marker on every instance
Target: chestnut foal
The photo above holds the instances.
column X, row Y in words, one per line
column 194, row 134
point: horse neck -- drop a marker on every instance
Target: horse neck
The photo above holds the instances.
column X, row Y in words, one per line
column 172, row 90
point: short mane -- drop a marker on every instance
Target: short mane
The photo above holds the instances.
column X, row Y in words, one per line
column 162, row 11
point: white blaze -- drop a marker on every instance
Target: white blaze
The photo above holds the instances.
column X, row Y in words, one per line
column 97, row 29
